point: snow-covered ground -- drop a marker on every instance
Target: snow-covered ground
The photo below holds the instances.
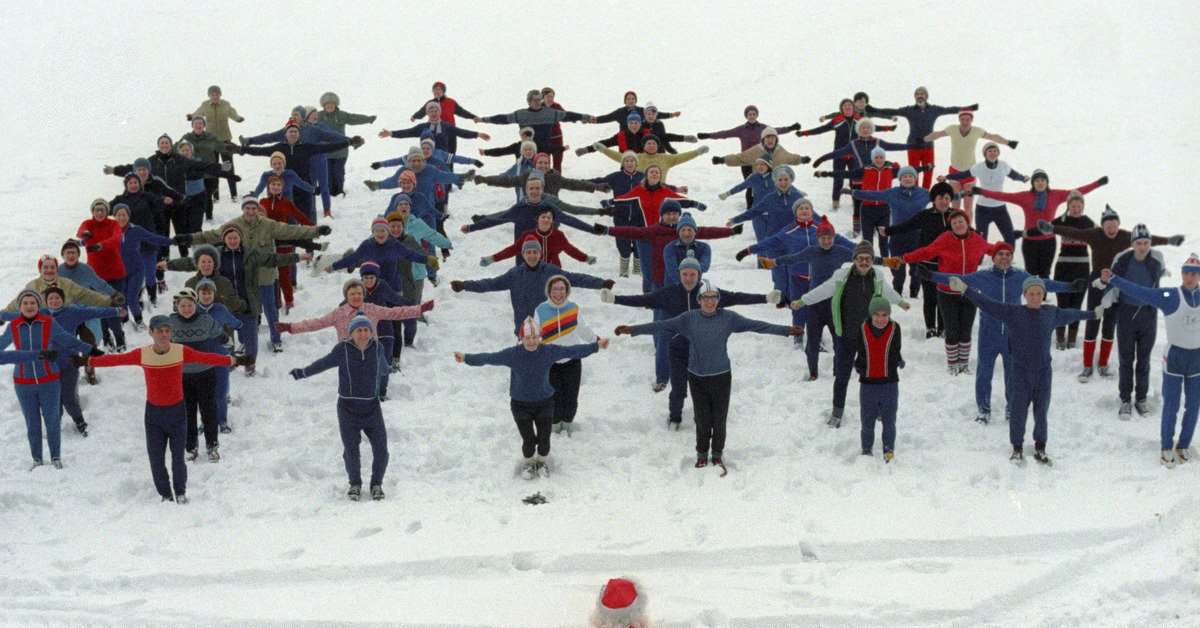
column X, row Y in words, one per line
column 802, row 532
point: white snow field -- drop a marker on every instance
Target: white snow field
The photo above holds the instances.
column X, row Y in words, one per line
column 803, row 531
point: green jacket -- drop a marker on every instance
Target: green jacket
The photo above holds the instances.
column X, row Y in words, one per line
column 74, row 292
column 338, row 121
column 832, row 289
column 256, row 262
column 260, row 236
column 206, row 146
column 226, row 294
column 217, row 117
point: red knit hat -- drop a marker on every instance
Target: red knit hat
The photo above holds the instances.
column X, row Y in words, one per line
column 407, row 174
column 1000, row 246
column 539, row 156
column 291, row 123
column 631, row 93
column 826, row 228
column 46, row 258
column 437, row 84
column 620, row 605
column 966, row 112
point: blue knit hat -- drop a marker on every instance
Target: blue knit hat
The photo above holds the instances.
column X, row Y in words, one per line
column 141, row 162
column 690, row 262
column 368, row 268
column 1033, row 280
column 685, row 220
column 212, row 285
column 1140, row 232
column 906, row 170
column 633, row 117
column 360, row 320
column 878, row 152
column 531, row 243
column 159, row 320
column 670, row 205
column 783, row 170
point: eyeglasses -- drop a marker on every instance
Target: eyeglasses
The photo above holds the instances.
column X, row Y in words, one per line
column 864, row 258
column 708, row 297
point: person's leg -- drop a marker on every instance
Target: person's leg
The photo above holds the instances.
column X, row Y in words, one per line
column 844, row 353
column 285, row 286
column 889, row 402
column 868, row 405
column 948, row 308
column 543, row 418
column 985, row 367
column 337, row 175
column 1146, row 335
column 1005, row 226
column 191, row 402
column 1126, row 350
column 572, row 375
column 1018, row 412
column 232, row 183
column 376, row 431
column 206, row 386
column 1172, row 390
column 349, row 428
column 856, row 223
column 156, row 449
column 984, row 216
column 270, row 310
column 966, row 324
column 645, row 257
column 798, row 287
column 678, row 351
column 556, row 377
column 211, row 184
column 702, row 407
column 840, row 166
column 149, row 276
column 50, row 408
column 30, row 407
column 1091, row 328
column 1107, row 334
column 389, row 345
column 819, row 318
column 1041, row 407
column 929, row 305
column 222, row 395
column 746, row 172
column 68, row 384
column 305, row 203
column 1191, row 409
column 720, row 387
column 523, row 416
column 175, row 419
column 248, row 333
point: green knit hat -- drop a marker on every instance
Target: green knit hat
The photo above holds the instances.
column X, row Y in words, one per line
column 880, row 304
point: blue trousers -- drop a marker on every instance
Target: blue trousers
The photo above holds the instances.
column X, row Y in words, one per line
column 167, row 426
column 319, row 165
column 991, row 346
column 68, row 385
column 356, row 418
column 844, row 352
column 985, row 216
column 248, row 333
column 270, row 309
column 898, row 246
column 1181, row 375
column 112, row 325
column 222, row 393
column 305, row 202
column 149, row 263
column 337, row 175
column 645, row 253
column 1028, row 387
column 878, row 401
column 1137, row 328
column 678, row 350
column 872, row 216
column 819, row 318
column 41, row 403
column 798, row 286
column 662, row 357
column 780, row 281
column 389, row 343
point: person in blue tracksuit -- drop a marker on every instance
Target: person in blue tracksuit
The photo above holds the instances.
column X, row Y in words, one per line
column 290, row 178
column 384, row 250
column 1137, row 322
column 1181, row 369
column 756, row 184
column 439, row 129
column 625, row 214
column 686, row 246
column 430, row 181
column 904, row 201
column 361, row 363
column 526, row 282
column 676, row 297
column 776, row 210
column 532, row 396
column 139, row 266
column 298, row 153
column 379, row 292
column 206, row 292
column 877, row 362
column 1030, row 330
column 523, row 215
column 36, row 382
column 1001, row 283
column 109, row 329
column 830, row 253
column 707, row 330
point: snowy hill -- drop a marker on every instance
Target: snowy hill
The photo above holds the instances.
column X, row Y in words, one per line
column 803, row 532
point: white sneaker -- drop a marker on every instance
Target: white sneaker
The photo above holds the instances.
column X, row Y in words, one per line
column 1167, row 458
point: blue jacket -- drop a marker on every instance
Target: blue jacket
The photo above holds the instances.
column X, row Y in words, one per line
column 523, row 217
column 222, row 315
column 1167, row 300
column 708, row 336
column 309, row 134
column 69, row 318
column 758, row 184
column 774, row 209
column 530, row 379
column 795, row 239
column 429, row 181
column 86, row 276
column 674, row 299
column 859, row 150
column 290, row 180
column 132, row 241
column 421, row 207
column 1029, row 330
column 921, row 120
column 1125, row 265
column 441, row 136
column 359, row 370
column 388, row 255
column 904, row 202
column 527, row 286
column 40, row 333
column 676, row 251
column 384, row 296
column 1002, row 286
column 821, row 263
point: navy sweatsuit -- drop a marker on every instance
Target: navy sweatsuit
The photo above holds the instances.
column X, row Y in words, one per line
column 1137, row 324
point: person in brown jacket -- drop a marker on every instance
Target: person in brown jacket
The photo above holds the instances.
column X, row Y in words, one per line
column 217, row 113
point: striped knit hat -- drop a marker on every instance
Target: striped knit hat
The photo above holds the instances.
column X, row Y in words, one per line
column 408, row 175
column 368, row 268
column 1192, row 265
column 206, row 283
column 379, row 223
column 531, row 243
column 360, row 320
column 1140, row 232
column 690, row 262
column 531, row 327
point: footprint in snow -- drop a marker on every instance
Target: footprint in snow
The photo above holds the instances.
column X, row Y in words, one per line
column 365, row 532
column 291, row 554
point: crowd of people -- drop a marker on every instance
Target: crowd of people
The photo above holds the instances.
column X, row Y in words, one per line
column 911, row 224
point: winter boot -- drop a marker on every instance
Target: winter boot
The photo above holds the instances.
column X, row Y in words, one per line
column 1104, row 371
column 835, row 418
column 701, row 461
column 567, row 428
column 637, row 265
column 1018, row 456
column 528, row 471
column 673, row 425
column 376, row 492
column 1167, row 458
column 624, row 267
column 251, row 366
column 89, row 376
column 1126, row 411
column 355, row 492
column 181, row 499
column 1182, row 455
column 56, row 462
column 277, row 347
column 887, row 456
column 558, row 428
column 192, row 454
column 81, row 427
column 225, row 429
column 214, row 455
column 1085, row 375
column 984, row 417
column 1142, row 407
column 1039, row 453
column 541, row 466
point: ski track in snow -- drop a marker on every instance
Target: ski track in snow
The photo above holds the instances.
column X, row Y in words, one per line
column 803, row 531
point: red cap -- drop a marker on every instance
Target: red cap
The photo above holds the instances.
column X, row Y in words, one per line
column 539, row 156
column 1001, row 246
column 826, row 228
column 290, row 123
column 437, row 84
column 966, row 112
column 631, row 92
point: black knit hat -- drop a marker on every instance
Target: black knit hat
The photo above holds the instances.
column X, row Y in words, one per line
column 940, row 188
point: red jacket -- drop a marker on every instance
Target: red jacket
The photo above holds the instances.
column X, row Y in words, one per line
column 280, row 210
column 553, row 243
column 649, row 200
column 556, row 134
column 164, row 372
column 956, row 255
column 107, row 261
column 1026, row 199
column 660, row 236
column 876, row 179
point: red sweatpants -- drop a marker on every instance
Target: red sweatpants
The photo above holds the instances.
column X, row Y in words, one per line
column 918, row 157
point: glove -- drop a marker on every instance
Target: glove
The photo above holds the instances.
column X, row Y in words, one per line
column 182, row 239
column 233, row 148
column 95, row 353
column 296, row 373
column 457, row 285
column 1078, row 285
column 608, row 202
column 597, row 146
column 822, row 174
column 606, row 296
column 582, row 151
column 371, row 185
column 717, row 160
column 974, row 107
column 818, row 162
column 922, row 272
column 476, row 217
column 486, row 261
column 691, row 139
column 767, row 263
column 241, row 140
column 967, row 193
column 1012, row 144
column 324, row 230
column 1098, row 311
column 805, row 159
column 468, row 175
column 1175, row 240
column 795, row 126
column 375, row 165
column 108, row 170
column 604, row 187
column 699, row 206
column 371, row 119
column 741, row 255
column 356, row 141
column 599, row 229
column 1103, row 180
column 604, row 211
column 117, row 299
column 723, row 195
column 283, row 327
column 477, row 163
column 774, row 297
column 93, row 248
column 703, row 136
column 957, row 284
column 591, row 260
column 623, row 329
column 48, row 354
column 86, row 235
column 1045, row 228
column 427, row 306
column 432, row 262
column 893, row 262
column 77, row 360
column 227, row 166
column 702, row 149
column 609, row 283
column 737, row 229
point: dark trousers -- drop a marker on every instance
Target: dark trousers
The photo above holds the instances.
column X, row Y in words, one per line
column 746, row 172
column 678, row 352
column 958, row 314
column 710, row 399
column 898, row 246
column 1069, row 271
column 1028, row 387
column 533, row 421
column 929, row 306
column 337, row 175
column 1108, row 323
column 306, row 203
column 844, row 352
column 167, row 426
column 564, row 379
column 986, row 216
column 873, row 216
column 840, row 166
column 355, row 418
column 1039, row 256
column 232, row 184
column 389, row 345
column 878, row 402
column 820, row 318
column 1136, row 329
column 188, row 217
column 113, row 325
column 200, row 393
column 68, row 385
